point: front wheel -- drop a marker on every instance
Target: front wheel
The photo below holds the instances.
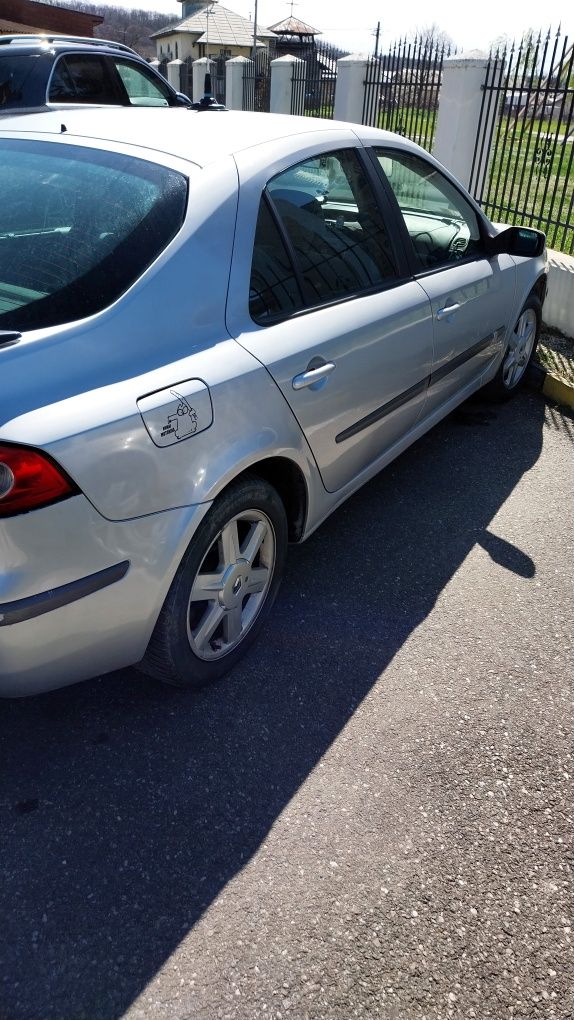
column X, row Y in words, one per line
column 224, row 587
column 519, row 352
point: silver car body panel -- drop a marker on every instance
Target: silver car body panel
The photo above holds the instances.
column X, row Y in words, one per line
column 468, row 338
column 82, row 391
column 105, row 630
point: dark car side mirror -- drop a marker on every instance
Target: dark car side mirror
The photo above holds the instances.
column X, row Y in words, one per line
column 182, row 99
column 522, row 241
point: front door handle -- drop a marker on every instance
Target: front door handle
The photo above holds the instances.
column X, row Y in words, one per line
column 444, row 313
column 314, row 376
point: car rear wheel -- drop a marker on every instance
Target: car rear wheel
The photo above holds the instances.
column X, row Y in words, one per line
column 519, row 352
column 223, row 589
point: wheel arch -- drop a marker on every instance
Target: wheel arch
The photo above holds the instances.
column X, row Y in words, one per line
column 289, row 482
column 540, row 287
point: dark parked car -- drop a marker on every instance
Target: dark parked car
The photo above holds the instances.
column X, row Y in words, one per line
column 47, row 71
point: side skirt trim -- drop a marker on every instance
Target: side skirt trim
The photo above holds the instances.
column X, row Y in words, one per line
column 413, row 391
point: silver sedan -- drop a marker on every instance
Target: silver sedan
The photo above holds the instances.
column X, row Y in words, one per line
column 213, row 330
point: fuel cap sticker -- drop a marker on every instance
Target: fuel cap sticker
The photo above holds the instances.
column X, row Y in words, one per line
column 177, row 413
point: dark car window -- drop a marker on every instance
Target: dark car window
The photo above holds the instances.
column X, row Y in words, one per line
column 77, row 227
column 442, row 225
column 84, row 78
column 21, row 80
column 274, row 290
column 330, row 216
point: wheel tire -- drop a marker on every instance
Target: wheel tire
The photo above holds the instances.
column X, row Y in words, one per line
column 519, row 352
column 235, row 561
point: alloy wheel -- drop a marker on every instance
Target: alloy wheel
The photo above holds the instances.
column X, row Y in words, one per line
column 231, row 585
column 520, row 347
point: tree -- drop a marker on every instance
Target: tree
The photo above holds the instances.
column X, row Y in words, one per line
column 429, row 44
column 132, row 27
column 433, row 37
column 500, row 45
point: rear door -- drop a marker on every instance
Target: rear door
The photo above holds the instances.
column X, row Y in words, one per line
column 319, row 295
column 85, row 78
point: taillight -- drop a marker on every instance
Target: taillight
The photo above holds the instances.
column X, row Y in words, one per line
column 29, row 479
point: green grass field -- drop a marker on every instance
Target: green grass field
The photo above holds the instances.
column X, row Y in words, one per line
column 532, row 181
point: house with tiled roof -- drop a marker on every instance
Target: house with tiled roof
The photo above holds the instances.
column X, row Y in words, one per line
column 208, row 29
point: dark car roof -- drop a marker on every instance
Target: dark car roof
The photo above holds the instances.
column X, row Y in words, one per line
column 44, row 43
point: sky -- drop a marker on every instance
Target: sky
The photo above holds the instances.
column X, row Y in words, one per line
column 352, row 25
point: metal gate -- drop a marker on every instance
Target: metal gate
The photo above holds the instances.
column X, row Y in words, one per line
column 523, row 166
column 402, row 89
column 257, row 82
column 313, row 93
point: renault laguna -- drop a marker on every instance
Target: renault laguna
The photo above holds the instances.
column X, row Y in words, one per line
column 213, row 330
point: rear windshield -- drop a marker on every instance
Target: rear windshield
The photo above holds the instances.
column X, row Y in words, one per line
column 77, row 228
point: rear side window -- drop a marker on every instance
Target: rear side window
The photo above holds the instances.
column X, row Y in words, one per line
column 274, row 290
column 334, row 245
column 77, row 228
column 83, row 78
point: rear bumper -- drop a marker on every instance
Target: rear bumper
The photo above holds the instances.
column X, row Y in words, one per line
column 56, row 598
column 80, row 595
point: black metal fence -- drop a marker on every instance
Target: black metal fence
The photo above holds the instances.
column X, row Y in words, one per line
column 314, row 81
column 523, row 167
column 257, row 82
column 402, row 89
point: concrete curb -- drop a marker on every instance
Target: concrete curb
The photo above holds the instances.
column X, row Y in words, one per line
column 558, row 390
column 552, row 386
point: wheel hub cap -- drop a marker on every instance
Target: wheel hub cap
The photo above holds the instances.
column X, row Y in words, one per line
column 234, row 583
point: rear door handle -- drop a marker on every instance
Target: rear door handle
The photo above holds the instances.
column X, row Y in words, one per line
column 444, row 313
column 312, row 376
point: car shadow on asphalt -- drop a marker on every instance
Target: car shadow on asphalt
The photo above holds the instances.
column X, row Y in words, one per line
column 125, row 807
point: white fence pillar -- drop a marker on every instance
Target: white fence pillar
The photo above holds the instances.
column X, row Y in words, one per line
column 174, row 74
column 283, row 72
column 234, row 71
column 199, row 70
column 350, row 88
column 458, row 117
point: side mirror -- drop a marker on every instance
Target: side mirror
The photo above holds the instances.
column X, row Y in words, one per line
column 521, row 241
column 182, row 99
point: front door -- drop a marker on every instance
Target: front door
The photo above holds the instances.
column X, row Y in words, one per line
column 470, row 294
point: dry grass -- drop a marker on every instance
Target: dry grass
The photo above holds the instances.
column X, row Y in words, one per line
column 556, row 354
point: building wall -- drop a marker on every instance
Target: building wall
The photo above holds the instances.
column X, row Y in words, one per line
column 187, row 48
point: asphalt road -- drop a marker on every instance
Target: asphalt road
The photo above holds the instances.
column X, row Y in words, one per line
column 371, row 818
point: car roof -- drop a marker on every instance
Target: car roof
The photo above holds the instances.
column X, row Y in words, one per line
column 32, row 43
column 199, row 137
